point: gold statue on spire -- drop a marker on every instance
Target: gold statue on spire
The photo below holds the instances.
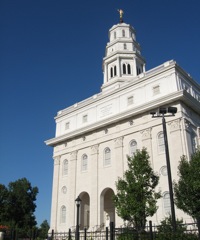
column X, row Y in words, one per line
column 121, row 12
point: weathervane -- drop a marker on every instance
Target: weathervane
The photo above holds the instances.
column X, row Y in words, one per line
column 121, row 12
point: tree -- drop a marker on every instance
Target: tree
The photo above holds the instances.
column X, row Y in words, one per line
column 136, row 197
column 18, row 202
column 43, row 230
column 187, row 189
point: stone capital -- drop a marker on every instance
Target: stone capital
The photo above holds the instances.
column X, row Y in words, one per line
column 56, row 160
column 95, row 149
column 118, row 142
column 73, row 155
column 146, row 133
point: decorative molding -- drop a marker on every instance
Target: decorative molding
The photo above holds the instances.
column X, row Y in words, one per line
column 174, row 125
column 56, row 160
column 95, row 149
column 73, row 155
column 118, row 142
column 187, row 124
column 146, row 133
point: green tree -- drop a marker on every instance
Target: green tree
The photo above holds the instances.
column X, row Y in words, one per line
column 187, row 189
column 136, row 197
column 18, row 204
column 43, row 230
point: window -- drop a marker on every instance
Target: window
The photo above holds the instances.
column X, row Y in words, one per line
column 130, row 100
column 133, row 147
column 156, row 90
column 115, row 70
column 111, row 72
column 138, row 71
column 129, row 69
column 84, row 163
column 125, row 46
column 166, row 203
column 67, row 126
column 63, row 214
column 163, row 171
column 123, row 33
column 193, row 141
column 124, row 69
column 65, row 167
column 107, row 157
column 115, row 35
column 85, row 118
column 161, row 143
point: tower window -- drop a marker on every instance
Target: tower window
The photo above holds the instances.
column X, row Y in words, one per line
column 115, row 35
column 123, row 33
column 125, row 46
column 111, row 72
column 138, row 71
column 115, row 70
column 129, row 69
column 124, row 69
column 67, row 126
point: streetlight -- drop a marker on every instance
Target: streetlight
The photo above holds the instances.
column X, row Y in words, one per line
column 78, row 203
column 161, row 113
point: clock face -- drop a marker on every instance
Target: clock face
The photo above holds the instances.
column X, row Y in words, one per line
column 64, row 190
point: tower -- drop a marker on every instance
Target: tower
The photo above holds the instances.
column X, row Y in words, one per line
column 123, row 60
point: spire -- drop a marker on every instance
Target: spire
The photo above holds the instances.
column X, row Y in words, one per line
column 121, row 12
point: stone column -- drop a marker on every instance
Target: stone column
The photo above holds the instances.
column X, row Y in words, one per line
column 118, row 67
column 55, row 191
column 186, row 136
column 119, row 168
column 72, row 189
column 94, row 198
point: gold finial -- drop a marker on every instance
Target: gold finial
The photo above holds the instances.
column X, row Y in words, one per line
column 121, row 12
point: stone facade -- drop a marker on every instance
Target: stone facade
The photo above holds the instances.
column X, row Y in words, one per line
column 94, row 137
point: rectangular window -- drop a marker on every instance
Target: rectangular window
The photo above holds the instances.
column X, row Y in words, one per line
column 130, row 100
column 85, row 118
column 156, row 90
column 67, row 126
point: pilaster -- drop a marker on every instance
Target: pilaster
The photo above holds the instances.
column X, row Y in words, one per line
column 55, row 191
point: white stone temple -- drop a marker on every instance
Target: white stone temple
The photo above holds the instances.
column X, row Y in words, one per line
column 94, row 137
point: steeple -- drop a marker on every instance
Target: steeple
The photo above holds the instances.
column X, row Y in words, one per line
column 123, row 60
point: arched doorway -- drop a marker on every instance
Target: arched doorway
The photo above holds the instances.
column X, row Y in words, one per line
column 84, row 211
column 107, row 207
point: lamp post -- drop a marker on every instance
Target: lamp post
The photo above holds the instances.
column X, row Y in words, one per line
column 78, row 203
column 162, row 113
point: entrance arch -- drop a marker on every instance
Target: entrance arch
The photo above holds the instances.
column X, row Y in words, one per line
column 84, row 210
column 107, row 208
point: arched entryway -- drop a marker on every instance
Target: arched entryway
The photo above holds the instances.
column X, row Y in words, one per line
column 107, row 208
column 84, row 210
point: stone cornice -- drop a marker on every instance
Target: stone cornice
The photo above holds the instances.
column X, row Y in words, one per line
column 147, row 107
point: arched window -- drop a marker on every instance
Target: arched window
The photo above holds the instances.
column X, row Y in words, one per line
column 107, row 157
column 111, row 72
column 166, row 203
column 133, row 147
column 125, row 46
column 193, row 141
column 65, row 167
column 124, row 68
column 63, row 214
column 115, row 35
column 161, row 143
column 115, row 70
column 129, row 69
column 84, row 163
column 123, row 33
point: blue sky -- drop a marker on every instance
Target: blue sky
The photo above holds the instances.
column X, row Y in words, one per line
column 51, row 57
